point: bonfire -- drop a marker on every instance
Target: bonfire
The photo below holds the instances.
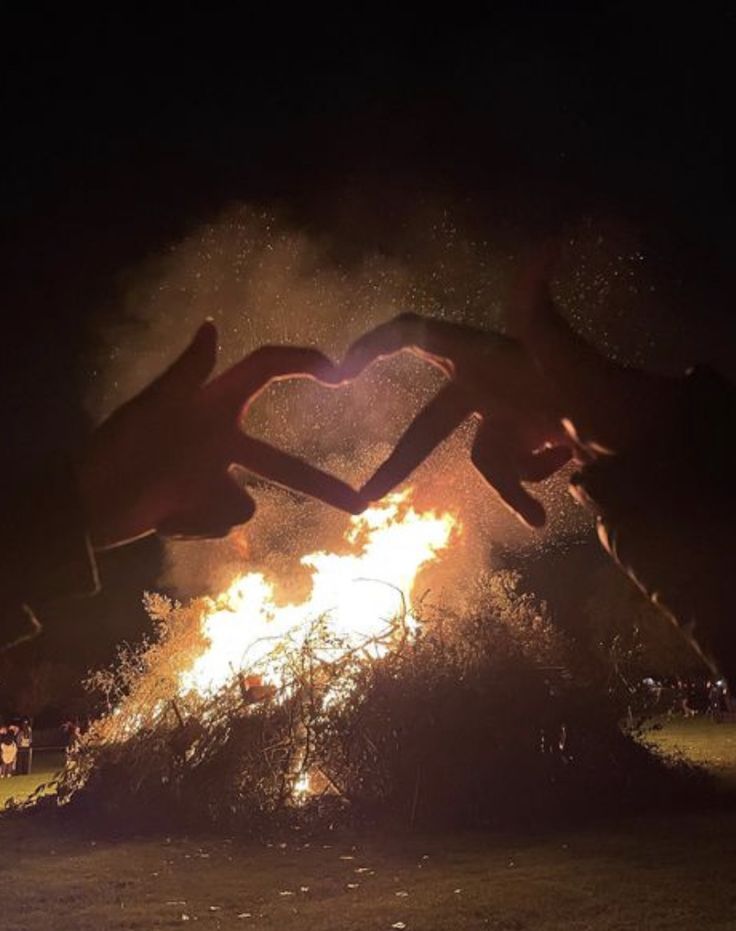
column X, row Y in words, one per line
column 244, row 648
column 365, row 696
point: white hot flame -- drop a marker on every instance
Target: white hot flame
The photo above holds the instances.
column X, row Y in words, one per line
column 358, row 596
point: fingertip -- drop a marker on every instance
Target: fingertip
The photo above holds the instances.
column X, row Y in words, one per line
column 355, row 361
column 344, row 371
column 293, row 361
column 531, row 299
column 525, row 508
column 375, row 488
column 496, row 469
column 207, row 331
column 204, row 344
column 323, row 369
column 534, row 515
column 243, row 509
column 359, row 506
column 347, row 499
column 192, row 368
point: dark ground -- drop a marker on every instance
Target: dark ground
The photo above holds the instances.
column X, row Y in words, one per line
column 646, row 873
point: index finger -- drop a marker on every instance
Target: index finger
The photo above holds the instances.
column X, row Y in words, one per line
column 495, row 461
column 294, row 473
column 439, row 342
column 245, row 380
column 444, row 413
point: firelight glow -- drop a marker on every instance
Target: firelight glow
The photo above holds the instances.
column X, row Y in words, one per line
column 357, row 596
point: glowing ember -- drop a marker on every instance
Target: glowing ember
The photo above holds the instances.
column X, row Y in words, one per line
column 357, row 598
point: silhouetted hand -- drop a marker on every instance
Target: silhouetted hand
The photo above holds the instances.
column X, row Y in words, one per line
column 656, row 453
column 541, row 398
column 519, row 438
column 162, row 461
column 659, row 469
column 606, row 408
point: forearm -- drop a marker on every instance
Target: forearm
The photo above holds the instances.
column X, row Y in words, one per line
column 666, row 513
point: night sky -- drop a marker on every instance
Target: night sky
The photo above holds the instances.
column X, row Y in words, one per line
column 122, row 134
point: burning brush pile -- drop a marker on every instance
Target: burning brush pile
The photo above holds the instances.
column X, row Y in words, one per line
column 365, row 700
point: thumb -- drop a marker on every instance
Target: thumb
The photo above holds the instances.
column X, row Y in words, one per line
column 194, row 365
column 599, row 398
column 530, row 306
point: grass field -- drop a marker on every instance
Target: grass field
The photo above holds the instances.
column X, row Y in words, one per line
column 45, row 767
column 645, row 873
column 702, row 741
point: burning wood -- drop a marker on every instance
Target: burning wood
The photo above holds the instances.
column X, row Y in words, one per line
column 244, row 710
column 245, row 649
column 359, row 596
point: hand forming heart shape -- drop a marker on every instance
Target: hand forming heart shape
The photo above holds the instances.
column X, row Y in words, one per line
column 161, row 462
column 491, row 377
column 541, row 400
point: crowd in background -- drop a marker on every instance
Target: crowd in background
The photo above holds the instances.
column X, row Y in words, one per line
column 17, row 741
column 688, row 697
column 669, row 696
column 16, row 749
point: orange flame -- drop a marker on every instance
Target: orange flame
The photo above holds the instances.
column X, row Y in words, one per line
column 358, row 597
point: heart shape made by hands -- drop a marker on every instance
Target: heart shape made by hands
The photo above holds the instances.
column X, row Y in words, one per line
column 489, row 377
column 436, row 419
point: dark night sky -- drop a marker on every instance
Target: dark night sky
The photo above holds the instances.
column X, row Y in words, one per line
column 121, row 133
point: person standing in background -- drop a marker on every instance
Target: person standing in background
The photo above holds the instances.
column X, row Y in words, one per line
column 8, row 753
column 24, row 740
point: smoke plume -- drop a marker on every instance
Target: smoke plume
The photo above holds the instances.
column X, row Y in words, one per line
column 265, row 280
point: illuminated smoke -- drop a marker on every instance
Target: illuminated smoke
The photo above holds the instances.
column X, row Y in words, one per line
column 265, row 281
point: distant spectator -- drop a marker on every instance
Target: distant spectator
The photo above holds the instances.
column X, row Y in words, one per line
column 684, row 690
column 8, row 753
column 24, row 739
column 72, row 732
